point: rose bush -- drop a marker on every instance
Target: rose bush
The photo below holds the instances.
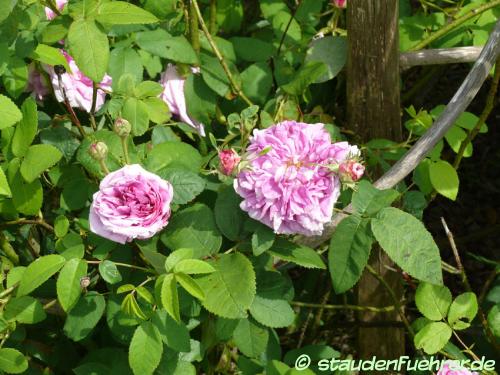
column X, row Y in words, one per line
column 164, row 166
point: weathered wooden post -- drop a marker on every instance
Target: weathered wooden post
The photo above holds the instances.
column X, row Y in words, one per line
column 373, row 109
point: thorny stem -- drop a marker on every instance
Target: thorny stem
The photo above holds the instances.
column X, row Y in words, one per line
column 343, row 307
column 212, row 26
column 215, row 49
column 124, row 141
column 104, row 167
column 194, row 32
column 92, row 109
column 71, row 112
column 459, row 21
column 40, row 222
column 465, row 280
column 490, row 105
column 292, row 16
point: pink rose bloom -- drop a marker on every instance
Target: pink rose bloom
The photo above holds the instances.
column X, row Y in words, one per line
column 50, row 13
column 36, row 84
column 173, row 95
column 446, row 370
column 340, row 3
column 131, row 203
column 352, row 170
column 289, row 184
column 228, row 161
column 78, row 87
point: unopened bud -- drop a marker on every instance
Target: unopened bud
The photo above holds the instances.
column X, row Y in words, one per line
column 122, row 127
column 352, row 170
column 339, row 3
column 84, row 282
column 98, row 150
column 228, row 161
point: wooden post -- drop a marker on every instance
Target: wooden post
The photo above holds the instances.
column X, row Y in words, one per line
column 373, row 111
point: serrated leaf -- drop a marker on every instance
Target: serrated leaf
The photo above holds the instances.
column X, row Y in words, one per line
column 145, row 349
column 9, row 113
column 444, row 179
column 39, row 158
column 109, row 272
column 369, row 200
column 302, row 255
column 26, row 129
column 50, row 56
column 190, row 285
column 170, row 297
column 131, row 307
column 193, row 267
column 433, row 301
column 228, row 214
column 25, row 309
column 275, row 313
column 68, row 282
column 433, row 337
column 173, row 334
column 125, row 288
column 136, row 112
column 91, row 306
column 463, row 306
column 187, row 184
column 4, row 185
column 26, row 197
column 145, row 294
column 176, row 256
column 172, row 154
column 123, row 13
column 262, row 239
column 250, row 338
column 12, row 361
column 89, row 47
column 408, row 243
column 61, row 226
column 38, row 272
column 349, row 251
column 229, row 291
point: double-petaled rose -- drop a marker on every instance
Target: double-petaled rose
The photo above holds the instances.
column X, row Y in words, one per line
column 131, row 203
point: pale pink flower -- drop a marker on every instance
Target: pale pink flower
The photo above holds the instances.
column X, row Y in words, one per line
column 77, row 86
column 340, row 3
column 228, row 161
column 50, row 13
column 131, row 203
column 173, row 95
column 289, row 183
column 446, row 370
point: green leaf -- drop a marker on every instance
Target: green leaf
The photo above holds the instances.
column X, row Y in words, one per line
column 12, row 361
column 145, row 349
column 161, row 43
column 123, row 13
column 455, row 136
column 200, row 99
column 125, row 61
column 90, row 48
column 408, row 243
column 25, row 309
column 302, row 255
column 433, row 301
column 4, row 185
column 230, row 290
column 26, row 197
column 109, row 272
column 173, row 334
column 193, row 267
column 463, row 307
column 176, row 256
column 26, row 130
column 433, row 337
column 132, row 308
column 252, row 49
column 68, row 282
column 262, row 239
column 170, row 297
column 91, row 306
column 173, row 154
column 187, row 184
column 157, row 109
column 282, row 24
column 50, row 56
column 15, row 80
column 9, row 113
column 148, row 88
column 444, row 179
column 332, row 51
column 39, row 158
column 136, row 112
column 39, row 272
column 193, row 228
column 215, row 76
column 61, row 226
column 250, row 338
column 228, row 214
column 369, row 200
column 6, row 6
column 275, row 313
column 257, row 81
column 494, row 320
column 190, row 285
column 306, row 75
column 349, row 252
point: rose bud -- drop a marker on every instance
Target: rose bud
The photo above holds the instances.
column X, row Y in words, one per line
column 98, row 150
column 352, row 170
column 228, row 161
column 339, row 3
column 122, row 127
